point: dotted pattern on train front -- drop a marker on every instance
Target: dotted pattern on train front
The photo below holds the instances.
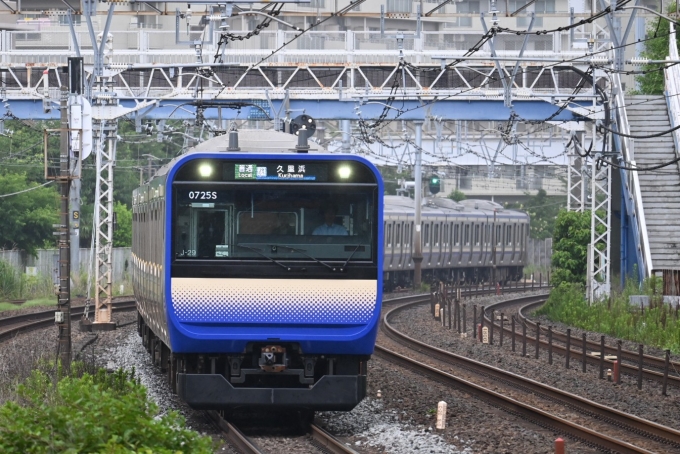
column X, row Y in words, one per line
column 273, row 300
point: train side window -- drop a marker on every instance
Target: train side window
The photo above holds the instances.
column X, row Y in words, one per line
column 436, row 235
column 426, row 234
column 477, row 235
column 407, row 232
column 508, row 235
column 487, row 234
column 388, row 235
column 397, row 234
column 466, row 241
column 456, row 234
column 445, row 238
column 499, row 237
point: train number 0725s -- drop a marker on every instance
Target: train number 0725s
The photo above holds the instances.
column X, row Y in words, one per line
column 202, row 195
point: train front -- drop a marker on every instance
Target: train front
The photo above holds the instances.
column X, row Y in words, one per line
column 274, row 278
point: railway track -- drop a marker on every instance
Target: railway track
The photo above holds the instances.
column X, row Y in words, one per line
column 583, row 420
column 466, row 293
column 12, row 326
column 576, row 346
column 322, row 440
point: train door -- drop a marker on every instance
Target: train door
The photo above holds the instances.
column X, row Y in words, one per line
column 211, row 232
column 466, row 251
column 446, row 244
column 498, row 244
column 476, row 242
column 436, row 244
column 396, row 261
column 388, row 245
column 408, row 245
column 425, row 238
column 488, row 246
column 457, row 243
column 508, row 242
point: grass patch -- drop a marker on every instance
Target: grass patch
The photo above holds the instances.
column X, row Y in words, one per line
column 44, row 302
column 92, row 412
column 656, row 325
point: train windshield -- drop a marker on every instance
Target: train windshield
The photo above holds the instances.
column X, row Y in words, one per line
column 274, row 222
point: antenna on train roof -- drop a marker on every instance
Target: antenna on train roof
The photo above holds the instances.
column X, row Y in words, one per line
column 233, row 139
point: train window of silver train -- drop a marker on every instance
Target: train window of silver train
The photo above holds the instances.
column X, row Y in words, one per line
column 426, row 234
column 456, row 234
column 499, row 239
column 467, row 235
column 397, row 234
column 477, row 235
column 508, row 235
column 436, row 235
column 388, row 235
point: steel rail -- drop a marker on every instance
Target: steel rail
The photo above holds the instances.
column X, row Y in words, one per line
column 328, row 442
column 491, row 292
column 631, row 423
column 234, row 436
column 628, row 369
column 527, row 412
column 42, row 319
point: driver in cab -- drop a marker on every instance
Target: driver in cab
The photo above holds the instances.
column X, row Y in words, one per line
column 329, row 227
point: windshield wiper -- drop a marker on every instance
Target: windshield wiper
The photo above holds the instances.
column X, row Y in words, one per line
column 303, row 252
column 258, row 252
column 350, row 257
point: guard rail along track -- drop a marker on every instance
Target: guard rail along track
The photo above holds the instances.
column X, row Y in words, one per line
column 11, row 326
column 326, row 442
column 656, row 362
column 649, row 430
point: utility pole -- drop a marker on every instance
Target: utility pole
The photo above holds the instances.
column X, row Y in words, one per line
column 417, row 243
column 63, row 315
column 76, row 80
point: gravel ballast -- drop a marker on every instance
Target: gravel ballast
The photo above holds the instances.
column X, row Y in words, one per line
column 402, row 419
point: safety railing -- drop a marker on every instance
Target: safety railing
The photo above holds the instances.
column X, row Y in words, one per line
column 672, row 78
column 337, row 47
column 631, row 182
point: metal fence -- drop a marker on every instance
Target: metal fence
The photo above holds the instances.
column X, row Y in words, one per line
column 46, row 262
column 539, row 252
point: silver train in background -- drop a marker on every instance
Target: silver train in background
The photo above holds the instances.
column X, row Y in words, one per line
column 466, row 242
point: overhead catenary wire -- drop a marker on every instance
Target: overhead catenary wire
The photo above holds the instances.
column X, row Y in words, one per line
column 26, row 190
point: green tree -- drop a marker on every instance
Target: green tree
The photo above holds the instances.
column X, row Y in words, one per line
column 456, row 195
column 27, row 217
column 652, row 81
column 542, row 210
column 122, row 235
column 570, row 247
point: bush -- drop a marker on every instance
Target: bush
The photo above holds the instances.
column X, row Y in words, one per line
column 99, row 412
column 656, row 325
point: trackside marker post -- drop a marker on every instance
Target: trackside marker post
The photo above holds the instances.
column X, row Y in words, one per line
column 616, row 372
column 559, row 446
column 441, row 415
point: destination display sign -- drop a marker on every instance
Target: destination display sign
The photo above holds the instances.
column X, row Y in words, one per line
column 278, row 171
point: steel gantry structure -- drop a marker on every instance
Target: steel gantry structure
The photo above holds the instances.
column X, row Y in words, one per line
column 413, row 82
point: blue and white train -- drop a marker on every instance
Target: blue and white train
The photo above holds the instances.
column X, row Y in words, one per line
column 238, row 300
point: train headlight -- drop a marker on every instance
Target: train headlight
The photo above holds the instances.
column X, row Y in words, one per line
column 205, row 170
column 344, row 171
